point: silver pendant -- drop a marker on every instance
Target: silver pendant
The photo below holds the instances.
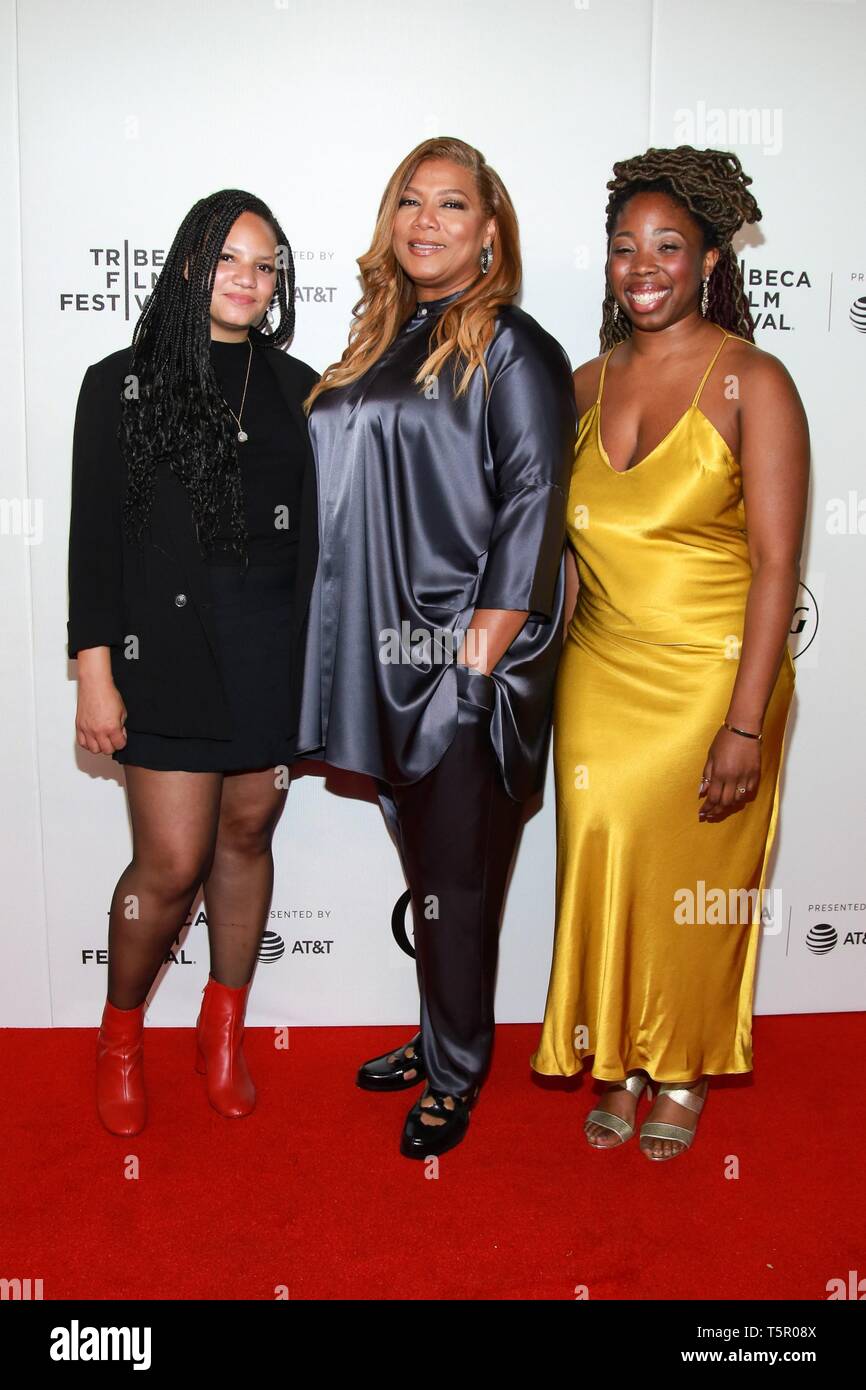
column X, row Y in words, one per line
column 243, row 436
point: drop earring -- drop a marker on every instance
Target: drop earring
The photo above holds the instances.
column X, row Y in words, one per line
column 705, row 297
column 486, row 259
column 615, row 314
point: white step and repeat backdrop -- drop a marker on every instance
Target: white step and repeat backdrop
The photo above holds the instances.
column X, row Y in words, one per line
column 117, row 116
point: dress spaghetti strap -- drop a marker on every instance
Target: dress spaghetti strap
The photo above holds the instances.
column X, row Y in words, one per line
column 706, row 374
column 702, row 383
column 603, row 370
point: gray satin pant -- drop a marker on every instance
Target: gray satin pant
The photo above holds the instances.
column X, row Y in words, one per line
column 455, row 830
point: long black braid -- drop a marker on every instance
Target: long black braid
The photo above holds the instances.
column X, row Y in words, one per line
column 712, row 186
column 175, row 412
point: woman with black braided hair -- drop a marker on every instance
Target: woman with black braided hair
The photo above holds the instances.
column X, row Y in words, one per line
column 193, row 546
column 685, row 521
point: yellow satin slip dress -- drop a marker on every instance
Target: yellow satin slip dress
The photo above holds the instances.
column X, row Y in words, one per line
column 658, row 914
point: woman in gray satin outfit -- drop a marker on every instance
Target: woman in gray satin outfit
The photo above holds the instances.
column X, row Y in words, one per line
column 444, row 441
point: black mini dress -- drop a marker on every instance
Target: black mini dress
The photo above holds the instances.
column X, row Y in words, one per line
column 253, row 607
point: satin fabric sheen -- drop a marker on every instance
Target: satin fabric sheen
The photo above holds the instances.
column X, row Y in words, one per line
column 431, row 506
column 644, row 684
column 455, row 831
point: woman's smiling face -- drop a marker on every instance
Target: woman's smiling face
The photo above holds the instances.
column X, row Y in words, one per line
column 245, row 278
column 656, row 261
column 440, row 228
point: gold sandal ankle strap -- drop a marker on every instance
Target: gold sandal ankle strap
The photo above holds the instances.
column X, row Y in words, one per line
column 634, row 1083
column 690, row 1100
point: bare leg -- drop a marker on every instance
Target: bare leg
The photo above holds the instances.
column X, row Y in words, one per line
column 174, row 820
column 240, row 882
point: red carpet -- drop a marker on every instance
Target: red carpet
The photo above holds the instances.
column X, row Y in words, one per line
column 311, row 1193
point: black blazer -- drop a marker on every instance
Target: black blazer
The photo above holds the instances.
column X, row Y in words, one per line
column 159, row 592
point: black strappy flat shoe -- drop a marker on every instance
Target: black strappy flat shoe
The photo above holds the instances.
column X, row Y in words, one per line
column 421, row 1141
column 389, row 1072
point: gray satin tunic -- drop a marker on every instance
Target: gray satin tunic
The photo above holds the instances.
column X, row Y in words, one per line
column 428, row 508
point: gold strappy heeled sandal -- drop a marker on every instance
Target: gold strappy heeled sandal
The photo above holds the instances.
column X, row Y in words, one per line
column 658, row 1129
column 605, row 1120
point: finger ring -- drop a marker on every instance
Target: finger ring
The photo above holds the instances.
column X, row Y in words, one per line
column 741, row 791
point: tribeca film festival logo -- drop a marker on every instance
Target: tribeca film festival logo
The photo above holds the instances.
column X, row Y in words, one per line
column 124, row 275
column 272, row 949
column 764, row 286
column 774, row 295
column 723, row 907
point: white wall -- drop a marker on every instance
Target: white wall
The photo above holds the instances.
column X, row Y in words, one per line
column 120, row 115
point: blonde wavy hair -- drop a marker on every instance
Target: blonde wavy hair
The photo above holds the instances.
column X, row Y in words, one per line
column 464, row 330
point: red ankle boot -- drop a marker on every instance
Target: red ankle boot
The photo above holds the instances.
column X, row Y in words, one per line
column 219, row 1033
column 120, row 1096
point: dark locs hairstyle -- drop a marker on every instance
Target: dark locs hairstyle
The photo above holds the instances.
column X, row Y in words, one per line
column 175, row 412
column 711, row 185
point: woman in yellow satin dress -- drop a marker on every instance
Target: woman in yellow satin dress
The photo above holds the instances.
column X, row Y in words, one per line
column 685, row 521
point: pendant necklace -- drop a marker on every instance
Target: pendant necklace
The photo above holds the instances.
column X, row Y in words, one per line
column 242, row 434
